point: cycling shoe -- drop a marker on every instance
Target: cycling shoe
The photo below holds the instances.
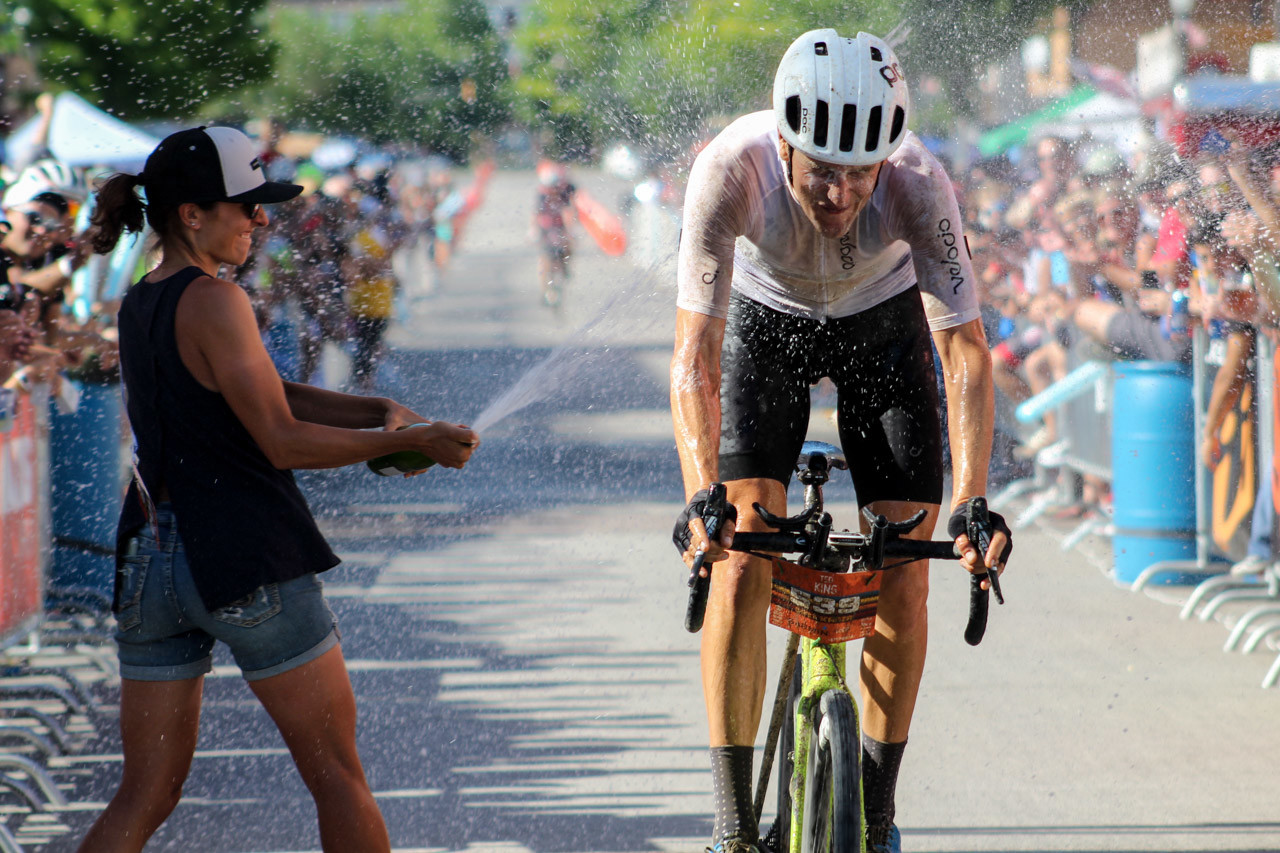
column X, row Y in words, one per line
column 884, row 839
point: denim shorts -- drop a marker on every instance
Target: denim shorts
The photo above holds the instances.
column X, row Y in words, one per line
column 165, row 633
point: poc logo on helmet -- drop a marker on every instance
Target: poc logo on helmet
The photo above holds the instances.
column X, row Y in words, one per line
column 891, row 73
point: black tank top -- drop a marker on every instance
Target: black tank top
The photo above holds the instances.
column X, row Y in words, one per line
column 243, row 522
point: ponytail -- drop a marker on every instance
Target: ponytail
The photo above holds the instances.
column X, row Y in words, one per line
column 119, row 209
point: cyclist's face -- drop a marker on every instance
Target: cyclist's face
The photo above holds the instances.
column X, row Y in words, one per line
column 831, row 196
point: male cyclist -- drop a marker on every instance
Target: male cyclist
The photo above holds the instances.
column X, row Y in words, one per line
column 822, row 239
column 552, row 214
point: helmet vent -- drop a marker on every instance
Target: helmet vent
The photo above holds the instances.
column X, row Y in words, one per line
column 793, row 113
column 873, row 128
column 847, row 123
column 821, row 120
column 820, row 48
column 876, row 55
column 899, row 117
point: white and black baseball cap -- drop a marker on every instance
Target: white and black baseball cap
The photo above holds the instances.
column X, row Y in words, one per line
column 205, row 164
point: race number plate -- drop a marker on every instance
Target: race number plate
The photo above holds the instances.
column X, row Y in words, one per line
column 827, row 606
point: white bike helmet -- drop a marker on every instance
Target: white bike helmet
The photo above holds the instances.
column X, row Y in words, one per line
column 47, row 176
column 841, row 100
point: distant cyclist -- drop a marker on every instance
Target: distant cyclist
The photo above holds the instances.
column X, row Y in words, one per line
column 822, row 239
column 552, row 215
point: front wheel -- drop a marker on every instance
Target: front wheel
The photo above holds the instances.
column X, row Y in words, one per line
column 833, row 818
column 780, row 835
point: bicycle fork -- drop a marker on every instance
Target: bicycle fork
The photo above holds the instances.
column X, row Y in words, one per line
column 823, row 668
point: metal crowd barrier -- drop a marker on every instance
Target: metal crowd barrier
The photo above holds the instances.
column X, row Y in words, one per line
column 1083, row 403
column 47, row 659
column 1260, row 624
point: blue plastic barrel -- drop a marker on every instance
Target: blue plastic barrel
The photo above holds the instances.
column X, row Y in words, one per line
column 1153, row 468
column 86, row 490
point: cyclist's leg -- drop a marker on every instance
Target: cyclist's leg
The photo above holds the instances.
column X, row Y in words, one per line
column 764, row 400
column 733, row 634
column 733, row 664
column 893, row 658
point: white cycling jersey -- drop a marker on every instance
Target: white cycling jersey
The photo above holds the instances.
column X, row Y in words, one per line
column 743, row 228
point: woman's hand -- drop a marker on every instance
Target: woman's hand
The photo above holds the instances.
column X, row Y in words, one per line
column 448, row 444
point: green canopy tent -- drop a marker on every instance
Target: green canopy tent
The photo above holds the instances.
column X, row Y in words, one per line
column 1000, row 139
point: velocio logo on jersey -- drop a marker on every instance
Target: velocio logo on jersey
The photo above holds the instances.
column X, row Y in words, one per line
column 952, row 262
column 846, row 252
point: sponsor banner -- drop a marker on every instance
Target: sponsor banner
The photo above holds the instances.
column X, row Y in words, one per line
column 828, row 606
column 1234, row 482
column 21, row 563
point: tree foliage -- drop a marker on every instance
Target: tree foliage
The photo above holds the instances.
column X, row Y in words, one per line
column 662, row 71
column 406, row 75
column 142, row 59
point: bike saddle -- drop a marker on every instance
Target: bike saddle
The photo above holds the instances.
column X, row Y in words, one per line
column 820, row 456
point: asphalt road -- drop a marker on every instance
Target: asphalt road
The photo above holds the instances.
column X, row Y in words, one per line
column 524, row 683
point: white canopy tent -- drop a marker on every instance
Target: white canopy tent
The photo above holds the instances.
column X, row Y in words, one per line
column 1105, row 117
column 80, row 134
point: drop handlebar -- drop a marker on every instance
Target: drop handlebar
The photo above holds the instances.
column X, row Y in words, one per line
column 849, row 543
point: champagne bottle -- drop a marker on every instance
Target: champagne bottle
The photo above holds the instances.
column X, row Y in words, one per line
column 402, row 461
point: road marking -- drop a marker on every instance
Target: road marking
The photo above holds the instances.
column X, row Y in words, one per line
column 110, row 757
column 363, row 665
column 408, row 793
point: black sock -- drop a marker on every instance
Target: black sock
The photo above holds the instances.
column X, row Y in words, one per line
column 880, row 763
column 731, row 784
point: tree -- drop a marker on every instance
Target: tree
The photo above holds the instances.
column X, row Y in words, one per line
column 954, row 39
column 664, row 72
column 431, row 73
column 140, row 59
column 657, row 71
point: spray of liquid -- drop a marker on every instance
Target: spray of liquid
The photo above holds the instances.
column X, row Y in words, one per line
column 636, row 308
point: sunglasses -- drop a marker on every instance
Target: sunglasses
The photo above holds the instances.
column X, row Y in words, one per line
column 35, row 220
column 251, row 211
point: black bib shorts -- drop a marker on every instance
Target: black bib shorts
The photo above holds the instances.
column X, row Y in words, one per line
column 881, row 361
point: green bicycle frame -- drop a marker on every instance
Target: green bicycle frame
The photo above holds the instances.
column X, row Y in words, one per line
column 822, row 668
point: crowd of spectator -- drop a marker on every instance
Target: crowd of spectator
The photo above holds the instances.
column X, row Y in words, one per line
column 338, row 263
column 1084, row 254
column 330, row 269
column 40, row 249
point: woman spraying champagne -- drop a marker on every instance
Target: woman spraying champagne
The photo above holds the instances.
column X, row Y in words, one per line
column 216, row 541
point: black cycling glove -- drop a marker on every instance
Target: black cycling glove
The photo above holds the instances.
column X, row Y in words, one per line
column 696, row 508
column 959, row 523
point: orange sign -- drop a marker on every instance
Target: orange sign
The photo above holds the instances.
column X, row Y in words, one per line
column 834, row 607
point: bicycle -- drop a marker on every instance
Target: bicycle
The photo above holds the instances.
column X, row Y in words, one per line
column 553, row 267
column 825, row 599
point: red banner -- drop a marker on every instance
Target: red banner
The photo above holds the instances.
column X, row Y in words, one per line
column 20, row 552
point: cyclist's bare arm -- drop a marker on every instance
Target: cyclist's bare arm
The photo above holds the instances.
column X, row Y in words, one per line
column 966, row 370
column 695, row 397
column 695, row 411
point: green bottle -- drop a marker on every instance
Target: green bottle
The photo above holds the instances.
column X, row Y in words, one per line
column 402, row 461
